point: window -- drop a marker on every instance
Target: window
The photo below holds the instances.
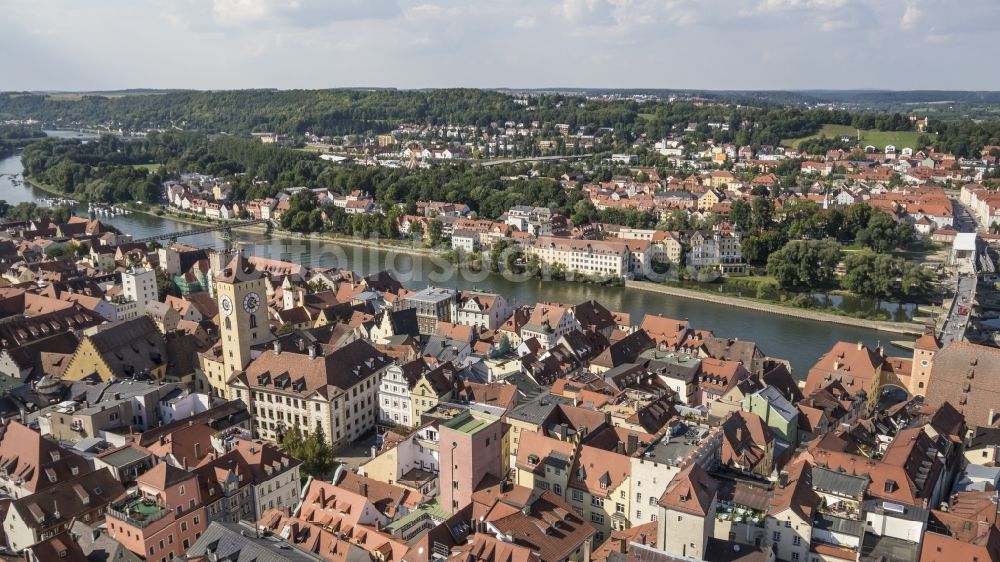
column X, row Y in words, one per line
column 797, row 540
column 795, row 557
column 788, row 524
column 597, row 518
column 776, row 537
column 577, row 496
column 253, row 320
column 557, row 489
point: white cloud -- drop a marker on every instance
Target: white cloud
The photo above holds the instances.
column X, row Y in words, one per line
column 526, row 22
column 911, row 15
column 599, row 43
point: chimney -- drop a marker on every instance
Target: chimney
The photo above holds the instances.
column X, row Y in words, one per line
column 633, row 443
column 312, row 351
column 783, row 478
column 620, row 447
column 861, row 345
column 197, row 451
column 277, row 347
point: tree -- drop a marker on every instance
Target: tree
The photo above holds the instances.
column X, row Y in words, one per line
column 882, row 276
column 883, row 233
column 804, row 264
column 310, row 448
column 739, row 214
column 435, row 230
column 761, row 214
column 757, row 247
column 165, row 285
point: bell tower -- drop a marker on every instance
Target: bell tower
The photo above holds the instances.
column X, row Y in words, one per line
column 243, row 318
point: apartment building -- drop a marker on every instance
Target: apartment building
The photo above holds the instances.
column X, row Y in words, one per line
column 608, row 258
column 433, row 305
column 162, row 517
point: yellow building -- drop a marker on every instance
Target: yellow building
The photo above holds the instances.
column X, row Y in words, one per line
column 708, row 200
column 431, row 388
column 131, row 349
column 243, row 322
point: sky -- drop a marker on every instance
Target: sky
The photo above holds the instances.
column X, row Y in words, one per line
column 86, row 45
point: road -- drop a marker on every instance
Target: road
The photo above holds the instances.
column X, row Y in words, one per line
column 957, row 321
column 535, row 159
column 955, row 324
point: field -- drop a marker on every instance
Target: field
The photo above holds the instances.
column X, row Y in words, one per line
column 876, row 138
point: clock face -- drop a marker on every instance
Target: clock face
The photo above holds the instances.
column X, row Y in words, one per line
column 251, row 302
column 226, row 304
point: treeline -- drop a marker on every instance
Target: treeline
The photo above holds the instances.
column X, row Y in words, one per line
column 106, row 170
column 13, row 137
column 112, row 170
column 346, row 112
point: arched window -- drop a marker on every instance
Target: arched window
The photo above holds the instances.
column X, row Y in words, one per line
column 253, row 320
column 921, row 385
column 229, row 324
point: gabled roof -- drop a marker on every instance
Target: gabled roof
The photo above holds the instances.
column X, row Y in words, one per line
column 37, row 463
column 691, row 491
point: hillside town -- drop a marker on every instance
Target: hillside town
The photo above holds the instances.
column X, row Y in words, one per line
column 167, row 402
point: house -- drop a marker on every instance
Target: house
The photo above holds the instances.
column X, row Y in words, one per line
column 30, row 463
column 162, row 517
column 547, row 323
column 86, row 498
column 134, row 348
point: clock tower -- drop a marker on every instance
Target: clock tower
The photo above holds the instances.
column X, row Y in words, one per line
column 243, row 315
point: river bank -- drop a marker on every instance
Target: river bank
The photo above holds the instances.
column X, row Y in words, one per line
column 907, row 328
column 801, row 341
column 746, row 303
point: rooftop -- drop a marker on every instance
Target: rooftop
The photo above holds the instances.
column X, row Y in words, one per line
column 470, row 422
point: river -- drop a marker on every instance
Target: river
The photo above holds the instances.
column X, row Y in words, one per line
column 798, row 340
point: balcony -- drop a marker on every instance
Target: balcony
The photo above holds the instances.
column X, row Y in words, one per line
column 138, row 511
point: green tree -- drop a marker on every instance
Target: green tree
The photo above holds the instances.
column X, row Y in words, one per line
column 435, row 230
column 165, row 285
column 805, row 264
column 310, row 448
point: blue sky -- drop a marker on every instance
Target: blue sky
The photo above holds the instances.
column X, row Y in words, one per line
column 712, row 44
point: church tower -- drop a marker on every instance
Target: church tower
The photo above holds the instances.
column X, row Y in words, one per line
column 243, row 318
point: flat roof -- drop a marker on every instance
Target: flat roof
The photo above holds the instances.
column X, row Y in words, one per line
column 965, row 241
column 470, row 422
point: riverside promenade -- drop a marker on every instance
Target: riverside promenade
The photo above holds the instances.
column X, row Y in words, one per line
column 908, row 328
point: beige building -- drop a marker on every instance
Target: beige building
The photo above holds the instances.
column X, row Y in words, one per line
column 615, row 258
column 326, row 389
column 241, row 293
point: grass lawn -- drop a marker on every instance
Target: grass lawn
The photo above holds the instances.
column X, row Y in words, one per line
column 876, row 138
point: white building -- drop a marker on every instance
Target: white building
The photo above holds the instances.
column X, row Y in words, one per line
column 482, row 309
column 138, row 290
